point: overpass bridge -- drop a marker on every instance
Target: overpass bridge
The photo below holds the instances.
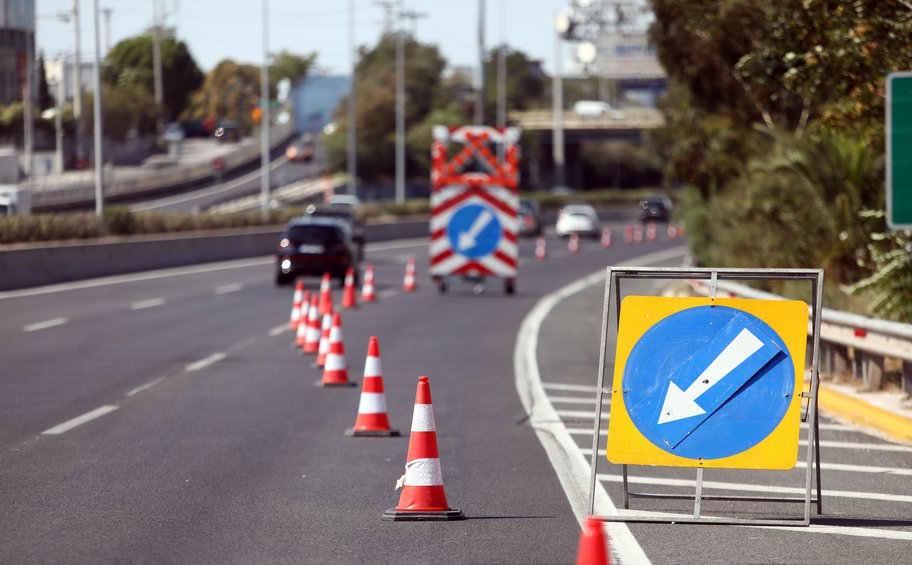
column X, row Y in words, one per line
column 626, row 125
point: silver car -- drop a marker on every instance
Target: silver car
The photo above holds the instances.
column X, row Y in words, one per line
column 580, row 218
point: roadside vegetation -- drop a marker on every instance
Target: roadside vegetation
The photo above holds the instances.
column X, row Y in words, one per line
column 775, row 123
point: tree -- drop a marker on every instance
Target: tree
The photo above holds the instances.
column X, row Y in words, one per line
column 129, row 63
column 45, row 98
column 286, row 65
column 525, row 82
column 229, row 92
column 125, row 110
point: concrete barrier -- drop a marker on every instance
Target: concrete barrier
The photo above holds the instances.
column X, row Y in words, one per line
column 39, row 265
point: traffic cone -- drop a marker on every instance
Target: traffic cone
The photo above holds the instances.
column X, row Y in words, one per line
column 296, row 305
column 323, row 347
column 606, row 237
column 348, row 294
column 303, row 320
column 592, row 546
column 651, row 231
column 372, row 420
column 313, row 332
column 409, row 284
column 367, row 289
column 628, row 234
column 423, row 496
column 638, row 233
column 326, row 301
column 541, row 251
column 672, row 231
column 573, row 244
column 335, row 371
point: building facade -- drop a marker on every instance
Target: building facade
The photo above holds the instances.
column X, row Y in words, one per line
column 17, row 43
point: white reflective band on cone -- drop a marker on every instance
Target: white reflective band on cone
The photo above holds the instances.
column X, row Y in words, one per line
column 423, row 418
column 372, row 403
column 372, row 367
column 423, row 473
column 335, row 362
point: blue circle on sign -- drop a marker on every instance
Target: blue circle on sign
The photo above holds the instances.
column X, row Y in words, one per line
column 474, row 231
column 708, row 382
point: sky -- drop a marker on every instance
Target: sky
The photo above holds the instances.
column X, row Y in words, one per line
column 218, row 29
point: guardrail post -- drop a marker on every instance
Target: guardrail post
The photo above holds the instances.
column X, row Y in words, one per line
column 906, row 378
column 835, row 357
column 873, row 371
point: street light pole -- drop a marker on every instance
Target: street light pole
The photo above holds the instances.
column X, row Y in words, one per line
column 352, row 160
column 99, row 158
column 77, row 84
column 157, row 65
column 264, row 115
column 557, row 98
column 400, row 115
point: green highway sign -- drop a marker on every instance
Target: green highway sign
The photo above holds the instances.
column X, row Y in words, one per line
column 899, row 150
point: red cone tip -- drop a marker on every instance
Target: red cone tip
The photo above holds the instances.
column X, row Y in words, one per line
column 373, row 347
column 337, row 319
column 423, row 394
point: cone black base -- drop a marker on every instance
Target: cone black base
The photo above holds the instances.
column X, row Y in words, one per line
column 372, row 433
column 394, row 515
column 334, row 385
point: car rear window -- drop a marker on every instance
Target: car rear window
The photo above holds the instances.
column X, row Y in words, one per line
column 314, row 234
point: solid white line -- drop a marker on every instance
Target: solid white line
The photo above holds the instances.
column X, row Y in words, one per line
column 143, row 304
column 80, row 420
column 203, row 363
column 388, row 293
column 578, row 400
column 746, row 487
column 571, row 467
column 867, row 469
column 861, row 446
column 228, row 288
column 146, row 386
column 589, row 415
column 571, row 388
column 45, row 325
column 279, row 330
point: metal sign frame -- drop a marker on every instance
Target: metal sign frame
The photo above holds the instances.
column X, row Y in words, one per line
column 613, row 298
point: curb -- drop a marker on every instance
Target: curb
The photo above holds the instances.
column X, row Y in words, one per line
column 894, row 426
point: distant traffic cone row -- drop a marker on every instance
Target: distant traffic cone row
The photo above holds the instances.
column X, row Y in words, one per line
column 335, row 371
column 541, row 250
column 423, row 496
column 296, row 305
column 409, row 284
column 372, row 418
column 326, row 302
column 313, row 332
column 592, row 547
column 367, row 289
column 348, row 294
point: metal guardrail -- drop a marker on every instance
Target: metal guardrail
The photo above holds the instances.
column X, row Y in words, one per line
column 872, row 341
column 114, row 187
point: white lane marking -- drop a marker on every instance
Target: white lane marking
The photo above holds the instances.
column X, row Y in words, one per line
column 860, row 446
column 570, row 388
column 571, row 467
column 144, row 387
column 45, row 325
column 580, row 414
column 866, row 469
column 388, row 293
column 143, row 304
column 279, row 330
column 228, row 288
column 80, row 420
column 749, row 487
column 203, row 363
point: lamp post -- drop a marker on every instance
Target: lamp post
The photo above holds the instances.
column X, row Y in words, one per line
column 563, row 26
column 352, row 148
column 264, row 115
column 99, row 158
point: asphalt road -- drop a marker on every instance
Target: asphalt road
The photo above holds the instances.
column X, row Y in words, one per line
column 165, row 418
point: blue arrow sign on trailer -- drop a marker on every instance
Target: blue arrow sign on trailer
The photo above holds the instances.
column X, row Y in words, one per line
column 474, row 231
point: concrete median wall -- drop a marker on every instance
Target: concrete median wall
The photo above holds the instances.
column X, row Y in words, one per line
column 34, row 265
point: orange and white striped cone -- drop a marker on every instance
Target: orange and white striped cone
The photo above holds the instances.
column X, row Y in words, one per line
column 628, row 234
column 372, row 420
column 592, row 545
column 296, row 305
column 423, row 496
column 323, row 348
column 650, row 231
column 638, row 233
column 573, row 244
column 335, row 371
column 672, row 231
column 409, row 284
column 326, row 301
column 367, row 289
column 541, row 250
column 606, row 237
column 349, row 300
column 313, row 332
column 303, row 320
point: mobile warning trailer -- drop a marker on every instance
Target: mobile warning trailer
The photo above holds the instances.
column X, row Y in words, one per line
column 474, row 199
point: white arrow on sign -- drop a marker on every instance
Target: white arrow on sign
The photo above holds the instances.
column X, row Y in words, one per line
column 680, row 404
column 467, row 238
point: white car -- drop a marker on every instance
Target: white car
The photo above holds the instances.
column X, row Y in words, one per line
column 580, row 218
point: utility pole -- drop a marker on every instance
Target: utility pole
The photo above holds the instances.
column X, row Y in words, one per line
column 482, row 80
column 77, row 85
column 352, row 160
column 27, row 101
column 502, row 71
column 99, row 157
column 107, row 16
column 264, row 115
column 400, row 102
column 157, row 64
column 557, row 98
